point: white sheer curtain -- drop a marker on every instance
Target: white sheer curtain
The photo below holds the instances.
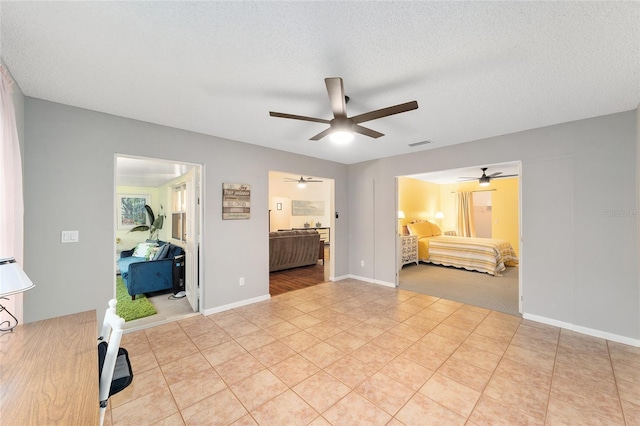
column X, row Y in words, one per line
column 466, row 227
column 11, row 202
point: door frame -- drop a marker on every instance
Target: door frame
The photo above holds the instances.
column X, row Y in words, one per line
column 196, row 205
column 520, row 241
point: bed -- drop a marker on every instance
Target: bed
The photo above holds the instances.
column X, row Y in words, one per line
column 488, row 255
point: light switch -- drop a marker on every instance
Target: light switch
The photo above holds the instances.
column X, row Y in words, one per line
column 70, row 236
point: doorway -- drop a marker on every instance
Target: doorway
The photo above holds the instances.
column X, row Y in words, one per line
column 172, row 191
column 433, row 197
column 302, row 202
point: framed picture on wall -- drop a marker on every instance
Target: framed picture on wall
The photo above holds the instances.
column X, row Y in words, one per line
column 131, row 211
column 307, row 208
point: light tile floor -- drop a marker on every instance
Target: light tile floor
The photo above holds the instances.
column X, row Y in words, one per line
column 352, row 353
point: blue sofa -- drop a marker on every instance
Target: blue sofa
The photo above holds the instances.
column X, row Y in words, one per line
column 145, row 276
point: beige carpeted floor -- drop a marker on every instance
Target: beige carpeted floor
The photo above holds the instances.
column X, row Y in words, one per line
column 473, row 288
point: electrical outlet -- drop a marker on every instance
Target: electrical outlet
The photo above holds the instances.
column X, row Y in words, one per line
column 362, row 263
column 241, row 280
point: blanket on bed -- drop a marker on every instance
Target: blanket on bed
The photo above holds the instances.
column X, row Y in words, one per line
column 476, row 254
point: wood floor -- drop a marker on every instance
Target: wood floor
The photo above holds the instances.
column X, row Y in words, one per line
column 297, row 278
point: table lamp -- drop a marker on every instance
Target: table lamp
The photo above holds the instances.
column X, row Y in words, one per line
column 13, row 280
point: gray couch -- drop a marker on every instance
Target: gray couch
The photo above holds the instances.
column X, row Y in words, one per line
column 291, row 249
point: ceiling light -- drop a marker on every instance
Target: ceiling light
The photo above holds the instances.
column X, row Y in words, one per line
column 341, row 130
column 484, row 181
column 302, row 184
column 342, row 136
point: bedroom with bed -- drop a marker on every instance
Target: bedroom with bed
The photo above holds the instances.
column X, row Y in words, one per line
column 462, row 236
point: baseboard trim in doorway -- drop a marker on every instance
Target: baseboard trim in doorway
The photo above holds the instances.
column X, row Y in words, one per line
column 160, row 322
column 372, row 281
column 235, row 305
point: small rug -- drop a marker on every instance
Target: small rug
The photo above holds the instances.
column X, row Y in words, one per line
column 129, row 309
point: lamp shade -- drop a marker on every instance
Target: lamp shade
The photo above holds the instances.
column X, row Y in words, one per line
column 401, row 214
column 13, row 280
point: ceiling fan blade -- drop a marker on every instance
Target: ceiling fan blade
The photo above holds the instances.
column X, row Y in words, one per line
column 468, row 178
column 312, row 180
column 367, row 132
column 335, row 89
column 298, row 117
column 504, row 176
column 321, row 135
column 492, row 175
column 384, row 112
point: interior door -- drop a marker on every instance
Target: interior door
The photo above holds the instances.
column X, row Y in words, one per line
column 192, row 238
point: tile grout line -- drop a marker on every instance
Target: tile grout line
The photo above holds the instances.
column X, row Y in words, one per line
column 553, row 376
column 615, row 382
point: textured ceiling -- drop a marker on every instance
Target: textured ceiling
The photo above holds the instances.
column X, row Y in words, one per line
column 477, row 69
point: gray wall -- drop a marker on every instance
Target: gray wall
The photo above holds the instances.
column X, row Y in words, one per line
column 69, row 185
column 579, row 218
column 579, row 263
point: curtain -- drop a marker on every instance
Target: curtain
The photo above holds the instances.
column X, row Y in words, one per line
column 466, row 226
column 11, row 202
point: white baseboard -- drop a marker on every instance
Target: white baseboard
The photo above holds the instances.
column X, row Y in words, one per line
column 236, row 305
column 372, row 281
column 584, row 330
column 340, row 278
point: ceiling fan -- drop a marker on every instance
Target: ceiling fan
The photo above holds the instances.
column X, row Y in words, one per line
column 302, row 182
column 342, row 127
column 485, row 179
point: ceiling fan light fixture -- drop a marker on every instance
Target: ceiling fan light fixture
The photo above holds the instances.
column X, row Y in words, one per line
column 302, row 184
column 484, row 181
column 341, row 136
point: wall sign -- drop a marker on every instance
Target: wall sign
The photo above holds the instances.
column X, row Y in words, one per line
column 236, row 201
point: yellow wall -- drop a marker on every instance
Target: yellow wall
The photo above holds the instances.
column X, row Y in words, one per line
column 418, row 200
column 421, row 200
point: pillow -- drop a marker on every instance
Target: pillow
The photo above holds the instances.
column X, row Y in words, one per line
column 420, row 229
column 152, row 252
column 142, row 249
column 162, row 252
column 435, row 230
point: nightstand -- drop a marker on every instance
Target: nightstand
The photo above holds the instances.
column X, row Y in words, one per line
column 408, row 250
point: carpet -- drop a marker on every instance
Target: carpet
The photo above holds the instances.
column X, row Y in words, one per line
column 132, row 309
column 473, row 288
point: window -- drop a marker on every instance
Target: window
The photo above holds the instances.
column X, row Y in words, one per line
column 179, row 213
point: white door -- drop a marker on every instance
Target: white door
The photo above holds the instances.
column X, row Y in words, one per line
column 192, row 238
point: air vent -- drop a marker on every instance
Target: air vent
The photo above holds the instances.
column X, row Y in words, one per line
column 419, row 143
